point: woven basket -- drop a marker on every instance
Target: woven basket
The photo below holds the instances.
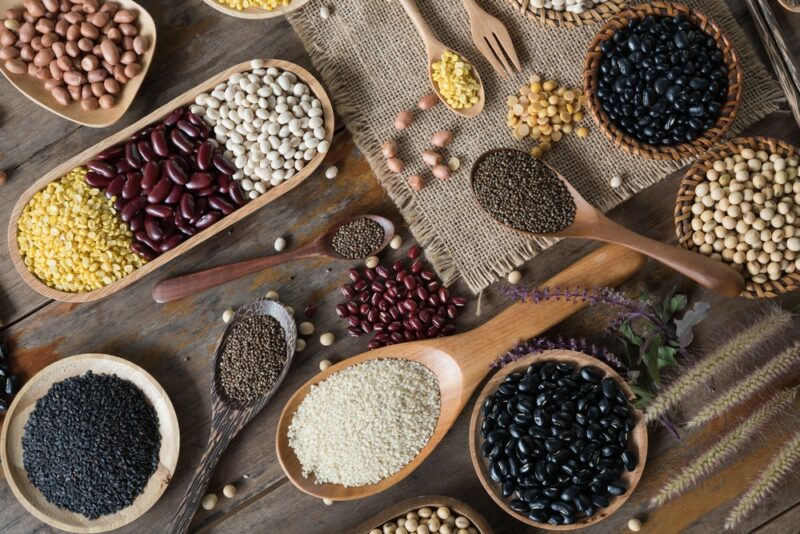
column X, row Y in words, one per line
column 674, row 152
column 697, row 174
column 564, row 19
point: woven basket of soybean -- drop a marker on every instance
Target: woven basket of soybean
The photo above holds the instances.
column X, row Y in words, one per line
column 728, row 112
column 566, row 19
column 686, row 198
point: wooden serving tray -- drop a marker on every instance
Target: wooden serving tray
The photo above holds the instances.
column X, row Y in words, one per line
column 33, row 88
column 184, row 100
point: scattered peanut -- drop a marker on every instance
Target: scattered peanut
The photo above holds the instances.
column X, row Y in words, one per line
column 416, row 182
column 389, row 149
column 454, row 81
column 441, row 172
column 441, row 139
column 395, row 165
column 403, row 120
column 428, row 101
column 431, row 158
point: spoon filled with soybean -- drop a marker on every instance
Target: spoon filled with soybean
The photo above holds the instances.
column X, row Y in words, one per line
column 527, row 195
column 351, row 239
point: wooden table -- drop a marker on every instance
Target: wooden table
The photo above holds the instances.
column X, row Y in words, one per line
column 174, row 342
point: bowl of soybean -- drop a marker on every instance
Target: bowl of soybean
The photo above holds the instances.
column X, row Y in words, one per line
column 95, row 374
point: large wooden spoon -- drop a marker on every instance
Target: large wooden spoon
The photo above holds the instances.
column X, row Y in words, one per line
column 435, row 48
column 460, row 362
column 228, row 419
column 590, row 223
column 189, row 284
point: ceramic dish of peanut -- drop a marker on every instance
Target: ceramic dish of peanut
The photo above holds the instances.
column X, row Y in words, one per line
column 83, row 60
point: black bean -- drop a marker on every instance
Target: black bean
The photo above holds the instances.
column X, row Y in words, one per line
column 617, row 488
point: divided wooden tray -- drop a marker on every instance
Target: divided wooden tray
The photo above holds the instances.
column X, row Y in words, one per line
column 638, row 437
column 431, row 501
column 255, row 13
column 185, row 99
column 24, row 403
column 33, row 88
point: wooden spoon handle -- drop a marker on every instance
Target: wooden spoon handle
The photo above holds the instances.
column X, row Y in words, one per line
column 607, row 266
column 221, row 436
column 416, row 17
column 706, row 271
column 189, row 284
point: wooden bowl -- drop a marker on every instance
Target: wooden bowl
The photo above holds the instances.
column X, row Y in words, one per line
column 185, row 99
column 253, row 13
column 432, row 501
column 790, row 6
column 24, row 403
column 34, row 89
column 697, row 173
column 674, row 152
column 638, row 437
column 566, row 19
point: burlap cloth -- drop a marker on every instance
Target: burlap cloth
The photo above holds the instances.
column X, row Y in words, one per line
column 374, row 64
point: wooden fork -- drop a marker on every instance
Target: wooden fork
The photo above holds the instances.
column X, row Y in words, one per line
column 491, row 38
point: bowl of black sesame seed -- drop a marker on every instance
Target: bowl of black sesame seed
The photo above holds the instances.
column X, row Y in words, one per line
column 90, row 443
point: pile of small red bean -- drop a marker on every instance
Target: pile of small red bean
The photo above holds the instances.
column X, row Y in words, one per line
column 169, row 181
column 399, row 304
column 81, row 49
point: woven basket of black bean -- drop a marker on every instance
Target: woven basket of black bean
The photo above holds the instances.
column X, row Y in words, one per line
column 663, row 81
column 90, row 443
column 555, row 441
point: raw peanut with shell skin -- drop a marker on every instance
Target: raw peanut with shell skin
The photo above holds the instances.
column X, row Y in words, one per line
column 389, row 149
column 395, row 165
column 441, row 139
column 416, row 182
column 61, row 95
column 431, row 158
column 442, row 172
column 403, row 120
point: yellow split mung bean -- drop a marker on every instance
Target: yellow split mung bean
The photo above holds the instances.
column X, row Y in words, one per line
column 454, row 81
column 71, row 238
column 241, row 5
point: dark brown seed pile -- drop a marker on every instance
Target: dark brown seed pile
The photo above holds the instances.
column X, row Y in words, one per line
column 252, row 359
column 520, row 191
column 91, row 444
column 358, row 239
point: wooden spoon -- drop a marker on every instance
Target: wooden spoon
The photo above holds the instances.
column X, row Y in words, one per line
column 435, row 48
column 592, row 224
column 189, row 284
column 228, row 419
column 460, row 362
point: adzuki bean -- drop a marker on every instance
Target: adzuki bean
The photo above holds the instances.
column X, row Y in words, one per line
column 164, row 183
column 398, row 304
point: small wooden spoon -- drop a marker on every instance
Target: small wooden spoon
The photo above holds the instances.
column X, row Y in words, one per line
column 228, row 419
column 460, row 362
column 435, row 48
column 590, row 223
column 189, row 284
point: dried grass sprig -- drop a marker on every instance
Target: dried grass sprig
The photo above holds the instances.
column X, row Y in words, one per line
column 724, row 448
column 745, row 389
column 730, row 352
column 783, row 464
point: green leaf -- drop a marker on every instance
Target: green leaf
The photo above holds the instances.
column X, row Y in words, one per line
column 678, row 303
column 650, row 358
column 666, row 356
column 684, row 327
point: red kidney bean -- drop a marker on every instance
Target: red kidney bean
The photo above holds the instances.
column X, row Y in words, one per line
column 223, row 183
column 373, row 315
column 112, row 152
column 223, row 165
column 194, row 118
column 188, row 207
column 97, row 180
column 205, row 192
column 397, row 337
column 398, row 266
column 158, row 139
column 170, row 242
column 159, row 210
column 425, row 316
column 449, row 329
column 236, row 194
column 416, row 267
column 427, row 276
column 146, row 151
column 348, row 291
column 204, row 154
column 102, row 168
column 432, row 332
column 409, row 335
column 370, row 274
column 123, row 167
column 180, row 141
column 137, row 223
column 143, row 250
column 382, row 271
column 452, row 312
column 310, row 311
column 444, row 295
column 142, row 236
column 132, row 155
column 175, row 196
column 438, row 321
column 414, row 252
column 363, row 309
column 410, row 282
column 184, row 227
column 354, row 332
column 360, row 285
column 120, row 203
column 132, row 208
column 341, row 310
column 153, row 228
column 459, row 301
column 434, row 285
column 199, row 180
column 174, row 169
column 160, row 191
column 379, row 327
column 352, row 307
column 173, row 117
column 188, row 128
column 353, row 274
column 150, row 175
column 207, row 219
column 354, row 321
column 363, row 296
column 374, row 344
column 220, row 204
column 115, row 187
column 366, row 327
column 415, row 323
column 141, row 134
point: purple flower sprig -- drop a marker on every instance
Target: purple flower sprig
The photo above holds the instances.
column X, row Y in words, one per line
column 543, row 344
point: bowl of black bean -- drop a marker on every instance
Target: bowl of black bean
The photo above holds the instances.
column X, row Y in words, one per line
column 556, row 442
column 663, row 81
